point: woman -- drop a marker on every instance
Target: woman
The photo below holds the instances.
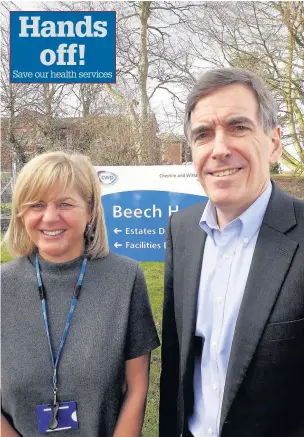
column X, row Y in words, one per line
column 65, row 280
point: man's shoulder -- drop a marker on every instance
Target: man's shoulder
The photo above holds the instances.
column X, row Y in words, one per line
column 299, row 214
column 299, row 206
column 192, row 213
column 282, row 200
column 285, row 213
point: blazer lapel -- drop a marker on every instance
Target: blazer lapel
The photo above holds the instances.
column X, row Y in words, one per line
column 195, row 241
column 271, row 260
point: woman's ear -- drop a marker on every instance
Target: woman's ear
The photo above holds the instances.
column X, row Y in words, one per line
column 91, row 204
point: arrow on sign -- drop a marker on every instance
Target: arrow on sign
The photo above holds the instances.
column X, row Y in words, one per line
column 117, row 245
column 116, row 230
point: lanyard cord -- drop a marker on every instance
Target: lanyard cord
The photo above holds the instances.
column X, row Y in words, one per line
column 69, row 318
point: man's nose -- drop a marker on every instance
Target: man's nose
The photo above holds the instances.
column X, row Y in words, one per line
column 220, row 146
column 50, row 213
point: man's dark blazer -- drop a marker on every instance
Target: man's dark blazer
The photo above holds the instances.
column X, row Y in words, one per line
column 264, row 390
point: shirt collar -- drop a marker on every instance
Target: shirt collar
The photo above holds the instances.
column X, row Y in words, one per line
column 251, row 219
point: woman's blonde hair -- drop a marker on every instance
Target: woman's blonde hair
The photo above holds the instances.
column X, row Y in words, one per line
column 48, row 172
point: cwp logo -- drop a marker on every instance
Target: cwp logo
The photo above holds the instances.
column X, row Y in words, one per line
column 106, row 177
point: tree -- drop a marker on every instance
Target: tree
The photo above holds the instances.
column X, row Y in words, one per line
column 150, row 61
column 266, row 38
column 29, row 110
column 15, row 98
column 161, row 48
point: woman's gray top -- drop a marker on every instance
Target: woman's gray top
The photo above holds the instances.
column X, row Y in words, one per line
column 112, row 323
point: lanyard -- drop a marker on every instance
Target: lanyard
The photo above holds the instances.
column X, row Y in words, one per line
column 69, row 318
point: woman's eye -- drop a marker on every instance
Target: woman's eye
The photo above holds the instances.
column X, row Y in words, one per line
column 37, row 206
column 65, row 205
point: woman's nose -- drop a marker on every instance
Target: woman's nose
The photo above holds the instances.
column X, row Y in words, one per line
column 50, row 213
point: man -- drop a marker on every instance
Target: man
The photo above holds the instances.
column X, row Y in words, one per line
column 233, row 318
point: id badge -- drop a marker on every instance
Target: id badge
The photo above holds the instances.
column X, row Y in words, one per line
column 66, row 417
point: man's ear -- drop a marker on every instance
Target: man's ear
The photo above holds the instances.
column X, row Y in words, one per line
column 276, row 152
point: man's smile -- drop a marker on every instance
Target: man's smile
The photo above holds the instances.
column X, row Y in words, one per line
column 227, row 172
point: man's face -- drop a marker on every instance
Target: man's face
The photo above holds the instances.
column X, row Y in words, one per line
column 230, row 150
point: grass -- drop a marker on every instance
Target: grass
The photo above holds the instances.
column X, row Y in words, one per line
column 5, row 255
column 154, row 276
column 286, row 176
column 5, row 208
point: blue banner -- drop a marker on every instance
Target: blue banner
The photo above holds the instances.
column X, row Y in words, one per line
column 67, row 47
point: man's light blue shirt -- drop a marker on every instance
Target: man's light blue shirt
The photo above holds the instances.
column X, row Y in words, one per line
column 226, row 263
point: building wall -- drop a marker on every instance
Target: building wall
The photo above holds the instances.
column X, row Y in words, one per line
column 172, row 153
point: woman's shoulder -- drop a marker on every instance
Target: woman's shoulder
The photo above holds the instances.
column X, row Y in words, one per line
column 15, row 266
column 15, row 274
column 117, row 262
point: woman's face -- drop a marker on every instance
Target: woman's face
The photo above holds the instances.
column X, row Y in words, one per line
column 56, row 225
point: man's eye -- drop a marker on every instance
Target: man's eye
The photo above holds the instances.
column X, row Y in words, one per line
column 240, row 128
column 201, row 136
